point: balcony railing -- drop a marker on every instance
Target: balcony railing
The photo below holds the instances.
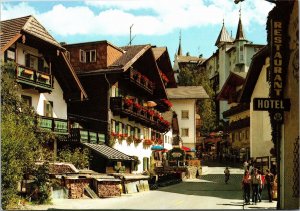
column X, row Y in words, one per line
column 58, row 126
column 140, row 80
column 86, row 136
column 138, row 114
column 239, row 124
column 236, row 109
column 34, row 78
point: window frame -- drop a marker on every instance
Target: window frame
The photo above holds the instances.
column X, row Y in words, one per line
column 48, row 114
column 185, row 111
column 182, row 134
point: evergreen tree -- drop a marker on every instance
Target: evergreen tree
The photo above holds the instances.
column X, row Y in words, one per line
column 197, row 76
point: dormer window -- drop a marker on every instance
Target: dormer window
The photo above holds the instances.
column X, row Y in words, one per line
column 87, row 56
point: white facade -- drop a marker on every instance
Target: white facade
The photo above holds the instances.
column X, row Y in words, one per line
column 38, row 99
column 260, row 127
column 56, row 96
column 182, row 107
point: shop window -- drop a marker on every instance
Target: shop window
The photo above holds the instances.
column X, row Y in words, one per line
column 48, row 108
column 184, row 132
column 184, row 114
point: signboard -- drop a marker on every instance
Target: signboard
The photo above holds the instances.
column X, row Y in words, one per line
column 269, row 104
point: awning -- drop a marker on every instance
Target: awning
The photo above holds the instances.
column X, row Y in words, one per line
column 157, row 147
column 108, row 152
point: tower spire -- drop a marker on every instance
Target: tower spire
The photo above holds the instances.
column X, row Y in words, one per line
column 240, row 33
column 179, row 52
column 223, row 37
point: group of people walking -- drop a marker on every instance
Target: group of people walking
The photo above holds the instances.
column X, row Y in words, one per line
column 256, row 180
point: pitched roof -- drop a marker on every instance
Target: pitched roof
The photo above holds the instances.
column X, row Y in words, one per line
column 257, row 62
column 190, row 59
column 233, row 80
column 187, row 92
column 158, row 51
column 240, row 33
column 28, row 24
column 108, row 152
column 223, row 36
column 132, row 53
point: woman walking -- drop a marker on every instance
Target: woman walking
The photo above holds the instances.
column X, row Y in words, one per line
column 256, row 180
column 246, row 186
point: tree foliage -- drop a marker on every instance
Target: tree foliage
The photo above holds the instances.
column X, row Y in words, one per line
column 19, row 144
column 78, row 157
column 198, row 76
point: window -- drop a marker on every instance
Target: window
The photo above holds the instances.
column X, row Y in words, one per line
column 113, row 125
column 241, row 48
column 146, row 133
column 237, row 136
column 247, row 134
column 242, row 135
column 184, row 114
column 27, row 100
column 87, row 56
column 48, row 108
column 82, row 56
column 184, row 132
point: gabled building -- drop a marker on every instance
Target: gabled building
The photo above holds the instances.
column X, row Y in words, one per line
column 232, row 55
column 185, row 61
column 238, row 115
column 127, row 96
column 49, row 83
column 184, row 100
column 275, row 131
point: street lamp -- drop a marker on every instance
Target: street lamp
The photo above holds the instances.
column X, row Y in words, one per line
column 272, row 1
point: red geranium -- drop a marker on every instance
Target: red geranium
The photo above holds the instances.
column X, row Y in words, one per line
column 150, row 112
column 128, row 102
column 167, row 102
column 137, row 106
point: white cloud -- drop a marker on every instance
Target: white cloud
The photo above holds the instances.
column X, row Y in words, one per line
column 161, row 17
column 22, row 9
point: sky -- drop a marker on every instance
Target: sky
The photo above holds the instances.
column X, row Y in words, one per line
column 155, row 22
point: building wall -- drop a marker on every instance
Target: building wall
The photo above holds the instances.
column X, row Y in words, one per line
column 188, row 105
column 56, row 96
column 290, row 141
column 260, row 127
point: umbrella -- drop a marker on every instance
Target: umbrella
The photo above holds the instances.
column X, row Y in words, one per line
column 185, row 148
column 151, row 103
column 157, row 147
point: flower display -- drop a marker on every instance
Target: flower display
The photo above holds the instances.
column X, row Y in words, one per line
column 167, row 102
column 148, row 142
column 164, row 77
column 128, row 102
column 137, row 106
column 150, row 112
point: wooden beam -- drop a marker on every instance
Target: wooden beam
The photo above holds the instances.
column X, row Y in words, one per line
column 10, row 42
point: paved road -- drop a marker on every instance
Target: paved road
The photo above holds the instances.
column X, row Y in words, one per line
column 207, row 192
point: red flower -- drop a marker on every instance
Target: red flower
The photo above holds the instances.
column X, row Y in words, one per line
column 128, row 102
column 144, row 78
column 167, row 102
column 150, row 112
column 113, row 134
column 148, row 142
column 137, row 106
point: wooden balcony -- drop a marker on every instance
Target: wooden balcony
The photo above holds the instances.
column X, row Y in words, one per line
column 140, row 81
column 86, row 136
column 58, row 126
column 141, row 115
column 30, row 77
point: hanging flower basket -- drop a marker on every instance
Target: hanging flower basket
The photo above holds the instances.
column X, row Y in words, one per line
column 128, row 102
column 148, row 142
column 137, row 106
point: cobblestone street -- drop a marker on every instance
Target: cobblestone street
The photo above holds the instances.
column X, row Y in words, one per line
column 207, row 192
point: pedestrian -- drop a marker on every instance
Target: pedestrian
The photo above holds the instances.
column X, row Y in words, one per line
column 261, row 185
column 255, row 180
column 269, row 178
column 245, row 165
column 246, row 186
column 227, row 174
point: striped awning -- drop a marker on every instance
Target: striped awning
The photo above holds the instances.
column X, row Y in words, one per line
column 108, row 152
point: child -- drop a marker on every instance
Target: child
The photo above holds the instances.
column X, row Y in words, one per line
column 227, row 174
